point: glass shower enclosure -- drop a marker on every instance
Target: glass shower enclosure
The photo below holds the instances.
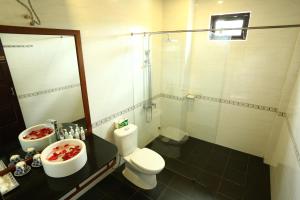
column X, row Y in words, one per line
column 227, row 92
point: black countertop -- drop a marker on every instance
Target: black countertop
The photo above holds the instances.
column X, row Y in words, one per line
column 37, row 185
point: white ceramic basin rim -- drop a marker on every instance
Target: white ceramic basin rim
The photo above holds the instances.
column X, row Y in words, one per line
column 40, row 143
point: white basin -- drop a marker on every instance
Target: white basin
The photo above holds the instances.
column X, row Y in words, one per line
column 38, row 144
column 59, row 169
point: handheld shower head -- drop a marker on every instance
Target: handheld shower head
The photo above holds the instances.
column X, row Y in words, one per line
column 169, row 40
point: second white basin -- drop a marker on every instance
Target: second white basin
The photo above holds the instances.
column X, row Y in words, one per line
column 65, row 168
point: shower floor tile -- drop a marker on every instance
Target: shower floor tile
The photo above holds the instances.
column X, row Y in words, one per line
column 194, row 169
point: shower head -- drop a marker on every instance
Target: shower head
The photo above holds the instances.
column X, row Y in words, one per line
column 170, row 40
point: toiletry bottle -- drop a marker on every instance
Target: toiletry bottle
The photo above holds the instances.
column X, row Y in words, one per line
column 72, row 131
column 77, row 134
column 61, row 136
column 77, row 128
column 55, row 127
column 70, row 135
column 66, row 134
column 82, row 134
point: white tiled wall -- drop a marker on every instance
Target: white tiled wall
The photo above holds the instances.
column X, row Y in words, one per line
column 285, row 177
column 47, row 65
column 203, row 119
column 244, row 129
column 64, row 106
column 173, row 113
column 147, row 130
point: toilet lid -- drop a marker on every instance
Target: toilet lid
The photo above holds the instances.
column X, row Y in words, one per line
column 148, row 160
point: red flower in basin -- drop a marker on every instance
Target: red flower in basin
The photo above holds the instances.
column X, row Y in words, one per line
column 64, row 152
column 33, row 135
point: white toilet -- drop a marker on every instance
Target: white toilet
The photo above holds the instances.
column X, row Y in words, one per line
column 141, row 165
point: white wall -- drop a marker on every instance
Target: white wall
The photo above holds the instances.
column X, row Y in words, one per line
column 47, row 63
column 109, row 52
column 285, row 177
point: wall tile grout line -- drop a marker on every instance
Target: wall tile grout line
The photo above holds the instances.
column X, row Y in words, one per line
column 47, row 91
column 223, row 174
column 171, row 188
column 247, row 170
column 133, row 195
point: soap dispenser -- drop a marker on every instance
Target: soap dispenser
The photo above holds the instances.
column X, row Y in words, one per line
column 77, row 128
column 55, row 127
column 82, row 134
column 61, row 136
column 72, row 131
column 77, row 133
column 70, row 135
column 66, row 134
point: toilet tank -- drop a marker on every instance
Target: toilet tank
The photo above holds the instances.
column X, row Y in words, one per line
column 126, row 139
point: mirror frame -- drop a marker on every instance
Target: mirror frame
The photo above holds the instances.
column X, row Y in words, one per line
column 77, row 37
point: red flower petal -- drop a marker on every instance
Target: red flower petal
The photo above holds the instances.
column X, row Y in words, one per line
column 53, row 157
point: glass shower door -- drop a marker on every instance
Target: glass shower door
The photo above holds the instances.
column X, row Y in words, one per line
column 173, row 91
column 146, row 86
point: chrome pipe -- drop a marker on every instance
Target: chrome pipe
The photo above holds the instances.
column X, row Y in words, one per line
column 220, row 29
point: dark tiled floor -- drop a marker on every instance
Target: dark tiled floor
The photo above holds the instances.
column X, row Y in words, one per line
column 194, row 170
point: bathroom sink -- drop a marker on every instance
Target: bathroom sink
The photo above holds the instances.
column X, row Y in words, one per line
column 62, row 165
column 40, row 143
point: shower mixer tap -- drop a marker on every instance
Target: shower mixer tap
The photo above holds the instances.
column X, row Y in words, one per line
column 153, row 105
column 149, row 105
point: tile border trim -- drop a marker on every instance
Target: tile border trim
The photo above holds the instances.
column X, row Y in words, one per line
column 231, row 102
column 117, row 114
column 201, row 97
column 226, row 101
column 18, row 46
column 47, row 91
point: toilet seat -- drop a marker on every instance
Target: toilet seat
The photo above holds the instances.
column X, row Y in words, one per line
column 147, row 160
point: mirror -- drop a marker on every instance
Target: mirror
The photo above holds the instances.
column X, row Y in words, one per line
column 45, row 74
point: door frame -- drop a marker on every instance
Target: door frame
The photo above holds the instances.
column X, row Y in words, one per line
column 77, row 36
